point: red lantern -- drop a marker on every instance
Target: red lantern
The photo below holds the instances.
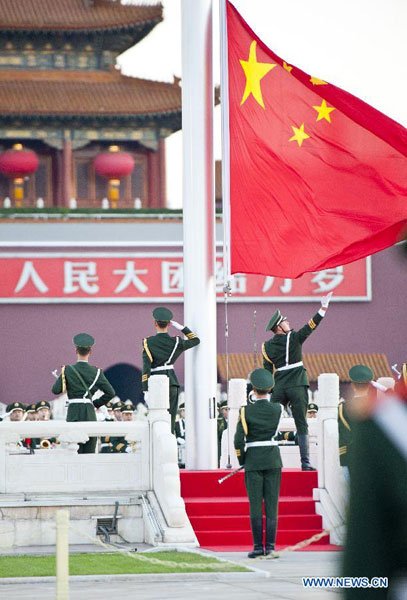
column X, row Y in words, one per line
column 114, row 165
column 17, row 164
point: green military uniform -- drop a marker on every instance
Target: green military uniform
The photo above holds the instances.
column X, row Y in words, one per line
column 376, row 544
column 160, row 352
column 257, row 449
column 287, row 437
column 283, row 355
column 344, row 434
column 120, row 444
column 222, row 424
column 80, row 404
column 180, row 435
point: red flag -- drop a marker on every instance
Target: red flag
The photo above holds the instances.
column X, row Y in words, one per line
column 318, row 178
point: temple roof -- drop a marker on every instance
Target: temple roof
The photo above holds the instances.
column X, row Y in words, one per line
column 74, row 15
column 101, row 93
column 240, row 365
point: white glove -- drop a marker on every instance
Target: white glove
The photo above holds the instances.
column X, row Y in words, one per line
column 181, row 441
column 177, row 325
column 326, row 300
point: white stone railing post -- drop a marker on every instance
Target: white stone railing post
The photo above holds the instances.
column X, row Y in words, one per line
column 236, row 398
column 328, row 399
column 165, row 477
column 331, row 493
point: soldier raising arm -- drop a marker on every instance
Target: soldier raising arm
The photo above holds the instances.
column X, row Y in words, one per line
column 160, row 352
column 283, row 354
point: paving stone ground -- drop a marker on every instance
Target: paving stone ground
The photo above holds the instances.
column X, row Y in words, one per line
column 284, row 582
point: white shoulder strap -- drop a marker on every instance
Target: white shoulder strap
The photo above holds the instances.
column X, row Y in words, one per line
column 287, row 349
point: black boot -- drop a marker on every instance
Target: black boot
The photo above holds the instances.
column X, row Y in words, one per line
column 257, row 532
column 271, row 531
column 303, row 443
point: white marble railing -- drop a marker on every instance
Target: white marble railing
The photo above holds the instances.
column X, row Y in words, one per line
column 61, row 469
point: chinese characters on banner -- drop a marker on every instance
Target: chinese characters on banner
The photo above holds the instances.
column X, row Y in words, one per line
column 144, row 277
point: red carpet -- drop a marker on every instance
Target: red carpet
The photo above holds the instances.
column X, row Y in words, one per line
column 219, row 514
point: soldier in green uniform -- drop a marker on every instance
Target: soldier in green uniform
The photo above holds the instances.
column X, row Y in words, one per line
column 120, row 444
column 312, row 410
column 43, row 410
column 79, row 382
column 257, row 449
column 222, row 424
column 360, row 376
column 376, row 541
column 160, row 352
column 283, row 355
column 16, row 411
column 31, row 412
column 180, row 435
column 117, row 410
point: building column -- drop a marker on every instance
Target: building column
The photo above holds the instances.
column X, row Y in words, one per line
column 153, row 183
column 163, row 187
column 67, row 172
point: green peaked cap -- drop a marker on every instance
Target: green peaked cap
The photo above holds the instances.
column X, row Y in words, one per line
column 312, row 407
column 162, row 314
column 261, row 379
column 360, row 374
column 42, row 404
column 83, row 340
column 15, row 406
column 275, row 320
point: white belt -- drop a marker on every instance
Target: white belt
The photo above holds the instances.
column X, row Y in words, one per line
column 293, row 366
column 79, row 401
column 163, row 368
column 106, row 445
column 266, row 443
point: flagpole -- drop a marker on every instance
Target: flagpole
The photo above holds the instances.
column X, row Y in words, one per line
column 224, row 87
column 199, row 233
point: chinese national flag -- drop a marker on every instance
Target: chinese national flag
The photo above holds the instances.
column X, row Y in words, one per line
column 318, row 178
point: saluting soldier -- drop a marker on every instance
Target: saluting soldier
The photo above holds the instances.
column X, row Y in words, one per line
column 257, row 449
column 80, row 381
column 160, row 352
column 283, row 355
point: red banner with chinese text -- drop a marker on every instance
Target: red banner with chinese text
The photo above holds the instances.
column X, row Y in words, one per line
column 157, row 276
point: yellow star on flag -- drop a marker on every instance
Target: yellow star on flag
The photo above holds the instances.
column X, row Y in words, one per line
column 254, row 72
column 299, row 134
column 323, row 111
column 287, row 67
column 316, row 81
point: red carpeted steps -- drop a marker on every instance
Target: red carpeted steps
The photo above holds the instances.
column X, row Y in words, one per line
column 219, row 514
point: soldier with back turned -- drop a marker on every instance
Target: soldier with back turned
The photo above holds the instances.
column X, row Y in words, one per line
column 80, row 381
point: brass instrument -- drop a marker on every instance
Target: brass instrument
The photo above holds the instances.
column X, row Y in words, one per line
column 45, row 444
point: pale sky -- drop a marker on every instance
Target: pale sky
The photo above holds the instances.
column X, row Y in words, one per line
column 359, row 45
